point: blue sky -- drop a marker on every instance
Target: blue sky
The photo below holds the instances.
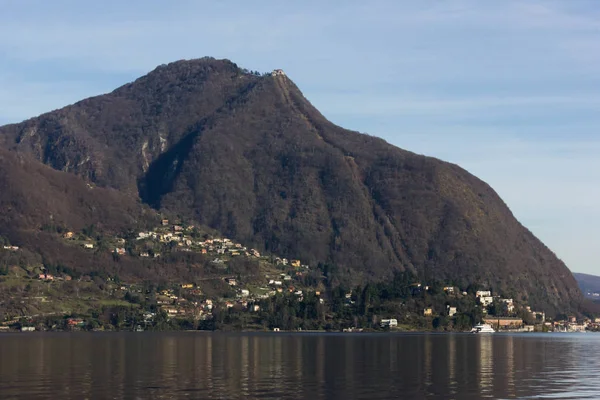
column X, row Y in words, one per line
column 507, row 89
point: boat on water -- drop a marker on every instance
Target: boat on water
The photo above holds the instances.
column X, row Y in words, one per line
column 482, row 328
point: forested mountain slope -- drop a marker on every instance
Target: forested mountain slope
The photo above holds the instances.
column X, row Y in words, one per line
column 248, row 155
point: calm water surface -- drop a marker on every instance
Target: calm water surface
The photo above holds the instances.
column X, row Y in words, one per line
column 298, row 366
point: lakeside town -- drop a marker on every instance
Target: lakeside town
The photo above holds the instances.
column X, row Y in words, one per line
column 248, row 301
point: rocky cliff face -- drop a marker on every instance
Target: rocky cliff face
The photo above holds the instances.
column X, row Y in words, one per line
column 249, row 156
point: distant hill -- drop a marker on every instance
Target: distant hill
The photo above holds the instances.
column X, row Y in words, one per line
column 588, row 284
column 249, row 156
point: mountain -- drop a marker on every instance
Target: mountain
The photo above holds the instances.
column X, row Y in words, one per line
column 249, row 156
column 588, row 284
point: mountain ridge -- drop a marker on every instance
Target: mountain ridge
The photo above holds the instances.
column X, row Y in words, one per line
column 589, row 284
column 250, row 156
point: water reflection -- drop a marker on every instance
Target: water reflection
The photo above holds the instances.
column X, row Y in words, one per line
column 510, row 365
column 293, row 366
column 486, row 359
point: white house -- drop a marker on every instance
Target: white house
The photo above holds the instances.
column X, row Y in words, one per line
column 389, row 323
column 486, row 300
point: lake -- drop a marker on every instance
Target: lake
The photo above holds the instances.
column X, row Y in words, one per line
column 298, row 366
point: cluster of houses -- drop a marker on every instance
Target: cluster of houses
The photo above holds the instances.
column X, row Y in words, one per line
column 179, row 307
column 177, row 304
column 219, row 246
column 275, row 284
column 573, row 325
column 179, row 235
column 182, row 237
column 71, row 235
column 187, row 302
column 293, row 263
column 484, row 299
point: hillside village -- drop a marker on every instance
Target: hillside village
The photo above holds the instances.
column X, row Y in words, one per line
column 185, row 299
column 252, row 299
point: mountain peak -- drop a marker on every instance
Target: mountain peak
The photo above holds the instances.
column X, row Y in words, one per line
column 195, row 62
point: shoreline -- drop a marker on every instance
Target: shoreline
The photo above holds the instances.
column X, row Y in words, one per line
column 271, row 332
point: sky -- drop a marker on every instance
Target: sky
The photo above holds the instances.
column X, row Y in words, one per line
column 506, row 89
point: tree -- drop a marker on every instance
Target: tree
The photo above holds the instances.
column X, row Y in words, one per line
column 439, row 322
column 89, row 231
column 462, row 322
column 369, row 297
